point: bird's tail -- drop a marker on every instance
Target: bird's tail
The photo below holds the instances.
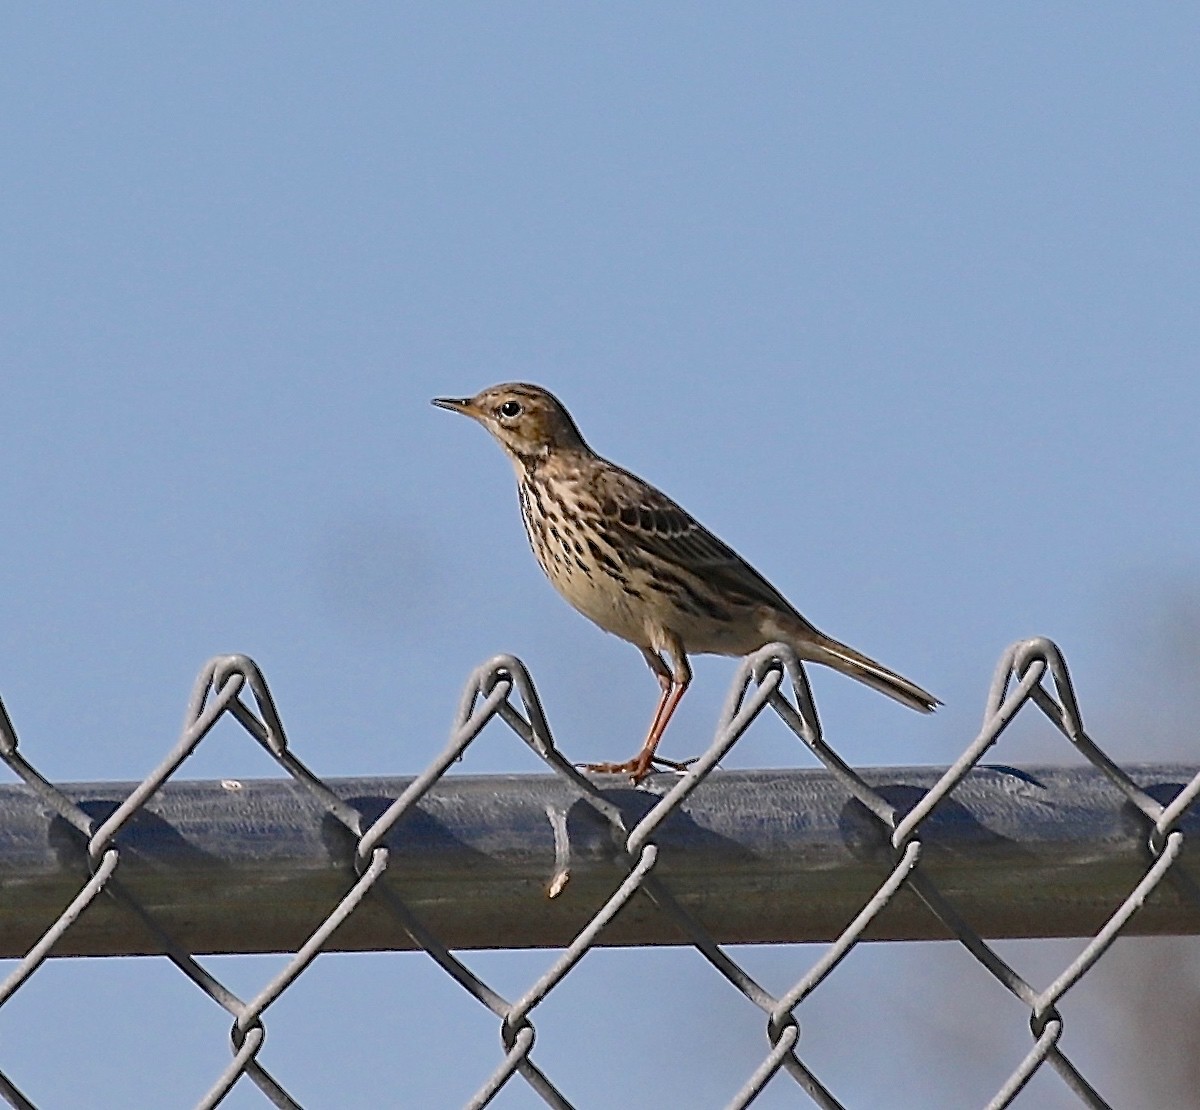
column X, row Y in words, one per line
column 876, row 675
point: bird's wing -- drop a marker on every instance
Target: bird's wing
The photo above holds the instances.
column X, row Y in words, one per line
column 662, row 528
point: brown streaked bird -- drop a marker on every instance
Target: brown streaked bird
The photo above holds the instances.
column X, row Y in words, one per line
column 632, row 560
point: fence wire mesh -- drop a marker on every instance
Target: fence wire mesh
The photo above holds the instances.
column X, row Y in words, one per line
column 1032, row 673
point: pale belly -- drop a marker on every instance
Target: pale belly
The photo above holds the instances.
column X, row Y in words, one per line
column 602, row 599
column 636, row 611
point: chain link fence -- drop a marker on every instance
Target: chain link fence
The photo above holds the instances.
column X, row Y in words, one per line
column 371, row 902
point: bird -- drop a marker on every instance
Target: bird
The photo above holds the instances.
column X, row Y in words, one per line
column 640, row 566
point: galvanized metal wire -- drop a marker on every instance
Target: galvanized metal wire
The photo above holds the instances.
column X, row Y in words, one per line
column 1032, row 673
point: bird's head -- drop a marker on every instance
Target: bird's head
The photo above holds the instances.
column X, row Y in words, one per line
column 529, row 422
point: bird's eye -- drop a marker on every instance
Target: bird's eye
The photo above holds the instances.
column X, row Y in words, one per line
column 510, row 409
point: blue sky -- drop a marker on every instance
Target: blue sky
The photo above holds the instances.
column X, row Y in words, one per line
column 899, row 300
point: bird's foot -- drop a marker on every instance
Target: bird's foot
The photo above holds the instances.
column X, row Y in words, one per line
column 630, row 767
column 638, row 767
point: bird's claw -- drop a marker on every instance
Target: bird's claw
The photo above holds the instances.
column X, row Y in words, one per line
column 638, row 767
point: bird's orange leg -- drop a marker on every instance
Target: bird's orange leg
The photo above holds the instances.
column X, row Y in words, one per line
column 666, row 681
column 644, row 758
column 674, row 685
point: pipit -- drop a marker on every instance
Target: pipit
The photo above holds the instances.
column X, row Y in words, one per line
column 629, row 558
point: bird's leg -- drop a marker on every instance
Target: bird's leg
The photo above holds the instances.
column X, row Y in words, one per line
column 681, row 678
column 674, row 683
column 666, row 681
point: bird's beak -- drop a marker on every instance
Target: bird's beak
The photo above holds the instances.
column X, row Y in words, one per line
column 455, row 404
